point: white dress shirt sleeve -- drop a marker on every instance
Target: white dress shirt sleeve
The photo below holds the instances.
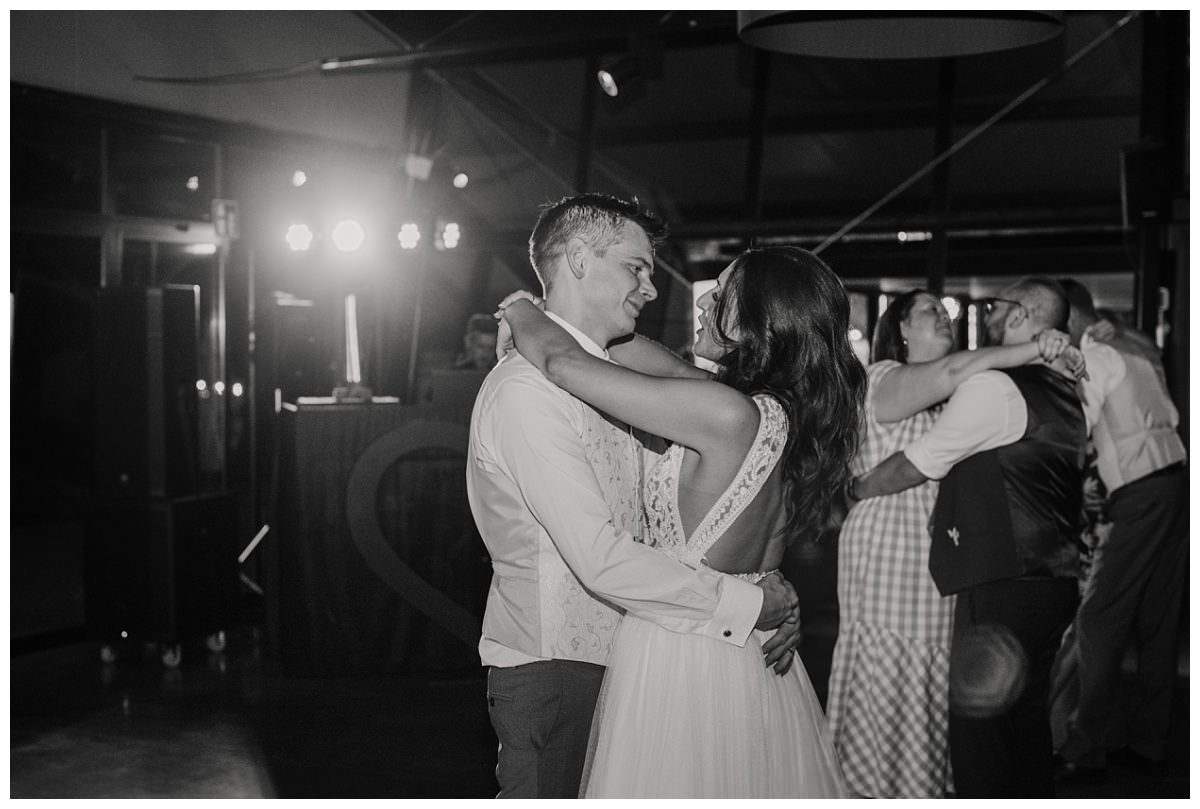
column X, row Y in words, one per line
column 1105, row 370
column 537, row 444
column 986, row 411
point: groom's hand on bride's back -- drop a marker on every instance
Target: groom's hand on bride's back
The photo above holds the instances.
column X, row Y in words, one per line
column 777, row 649
column 780, row 610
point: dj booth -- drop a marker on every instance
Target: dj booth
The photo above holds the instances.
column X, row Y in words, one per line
column 376, row 565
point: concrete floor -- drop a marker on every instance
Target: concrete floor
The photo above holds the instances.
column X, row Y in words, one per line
column 231, row 725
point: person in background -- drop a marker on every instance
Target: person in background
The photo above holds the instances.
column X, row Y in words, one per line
column 479, row 344
column 555, row 489
column 759, row 453
column 1139, row 567
column 889, row 683
column 1009, row 448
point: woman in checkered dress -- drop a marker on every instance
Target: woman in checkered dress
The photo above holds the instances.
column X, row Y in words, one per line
column 889, row 685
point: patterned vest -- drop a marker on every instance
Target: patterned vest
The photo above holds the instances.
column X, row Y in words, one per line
column 575, row 624
column 1015, row 511
column 1136, row 433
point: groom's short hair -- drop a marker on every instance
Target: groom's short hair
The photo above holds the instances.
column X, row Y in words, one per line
column 596, row 218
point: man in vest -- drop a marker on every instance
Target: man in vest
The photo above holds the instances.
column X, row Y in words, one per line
column 1139, row 571
column 1009, row 450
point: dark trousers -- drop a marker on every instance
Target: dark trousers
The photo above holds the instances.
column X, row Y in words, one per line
column 542, row 714
column 1135, row 591
column 1009, row 754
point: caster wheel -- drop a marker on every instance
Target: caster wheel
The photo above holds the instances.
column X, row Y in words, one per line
column 171, row 656
column 108, row 654
column 216, row 641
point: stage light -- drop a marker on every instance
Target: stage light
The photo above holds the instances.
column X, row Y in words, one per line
column 461, row 179
column 219, row 387
column 201, row 385
column 855, row 335
column 193, row 183
column 409, row 235
column 620, row 73
column 299, row 178
column 418, row 166
column 348, row 235
column 237, row 389
column 450, row 236
column 953, row 308
column 299, row 237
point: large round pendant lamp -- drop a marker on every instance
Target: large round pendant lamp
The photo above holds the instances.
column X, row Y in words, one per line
column 896, row 34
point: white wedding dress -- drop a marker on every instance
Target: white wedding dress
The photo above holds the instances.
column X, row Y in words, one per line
column 683, row 715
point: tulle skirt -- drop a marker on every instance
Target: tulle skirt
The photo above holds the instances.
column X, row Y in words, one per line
column 685, row 716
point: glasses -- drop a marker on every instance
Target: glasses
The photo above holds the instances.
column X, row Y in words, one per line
column 989, row 305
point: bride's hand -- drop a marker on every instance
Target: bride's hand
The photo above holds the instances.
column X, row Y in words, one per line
column 504, row 338
column 520, row 294
column 504, row 334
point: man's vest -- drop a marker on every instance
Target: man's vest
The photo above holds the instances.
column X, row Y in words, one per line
column 1136, row 433
column 1015, row 510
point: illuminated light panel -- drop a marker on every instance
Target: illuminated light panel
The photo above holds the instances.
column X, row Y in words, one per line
column 409, row 235
column 348, row 235
column 299, row 237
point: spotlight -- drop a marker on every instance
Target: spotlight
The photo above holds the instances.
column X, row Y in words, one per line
column 620, row 73
column 461, row 179
column 299, row 237
column 448, row 239
column 409, row 235
column 348, row 235
column 299, row 178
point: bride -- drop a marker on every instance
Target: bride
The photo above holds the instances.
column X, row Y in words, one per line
column 757, row 455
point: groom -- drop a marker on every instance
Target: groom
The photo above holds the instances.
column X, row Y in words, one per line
column 555, row 490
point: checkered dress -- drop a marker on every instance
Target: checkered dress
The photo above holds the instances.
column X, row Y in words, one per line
column 889, row 685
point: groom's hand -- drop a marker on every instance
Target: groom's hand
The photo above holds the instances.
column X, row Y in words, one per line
column 780, row 609
column 779, row 647
column 779, row 601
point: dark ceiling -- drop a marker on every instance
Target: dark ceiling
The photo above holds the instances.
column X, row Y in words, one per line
column 733, row 143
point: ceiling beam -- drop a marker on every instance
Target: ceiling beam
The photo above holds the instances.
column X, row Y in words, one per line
column 875, row 119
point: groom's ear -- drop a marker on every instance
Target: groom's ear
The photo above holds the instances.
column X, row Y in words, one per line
column 577, row 253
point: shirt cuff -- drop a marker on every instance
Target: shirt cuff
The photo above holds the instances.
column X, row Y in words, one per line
column 919, row 457
column 737, row 612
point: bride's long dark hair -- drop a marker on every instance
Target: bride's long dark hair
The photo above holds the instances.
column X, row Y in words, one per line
column 793, row 317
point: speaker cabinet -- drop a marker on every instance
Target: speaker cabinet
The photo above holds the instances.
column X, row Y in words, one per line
column 162, row 570
column 147, row 364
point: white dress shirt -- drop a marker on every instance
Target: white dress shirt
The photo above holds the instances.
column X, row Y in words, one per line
column 555, row 491
column 985, row 411
column 1105, row 370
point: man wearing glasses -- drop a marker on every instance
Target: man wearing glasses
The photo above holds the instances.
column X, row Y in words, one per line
column 1009, row 449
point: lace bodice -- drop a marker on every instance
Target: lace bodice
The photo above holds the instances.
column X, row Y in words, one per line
column 662, row 490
